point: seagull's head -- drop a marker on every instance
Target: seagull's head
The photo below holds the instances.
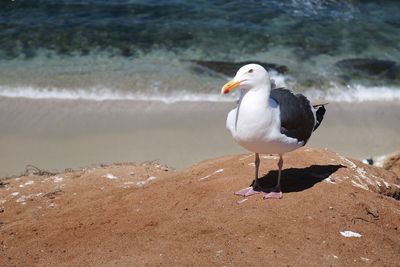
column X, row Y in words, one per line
column 248, row 77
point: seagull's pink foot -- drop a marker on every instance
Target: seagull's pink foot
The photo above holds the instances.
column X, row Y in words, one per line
column 246, row 192
column 274, row 193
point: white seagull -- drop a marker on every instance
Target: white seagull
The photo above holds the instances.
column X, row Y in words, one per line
column 269, row 121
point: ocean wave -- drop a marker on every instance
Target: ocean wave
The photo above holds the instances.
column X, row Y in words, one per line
column 353, row 94
column 104, row 94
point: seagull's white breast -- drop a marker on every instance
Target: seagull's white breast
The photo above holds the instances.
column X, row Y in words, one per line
column 255, row 125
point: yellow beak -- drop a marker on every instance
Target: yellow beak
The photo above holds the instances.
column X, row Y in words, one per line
column 229, row 86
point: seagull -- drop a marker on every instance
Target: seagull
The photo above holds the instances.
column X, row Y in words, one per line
column 269, row 121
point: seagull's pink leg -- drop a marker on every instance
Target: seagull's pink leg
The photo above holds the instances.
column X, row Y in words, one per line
column 272, row 194
column 269, row 193
column 246, row 192
column 251, row 190
column 276, row 191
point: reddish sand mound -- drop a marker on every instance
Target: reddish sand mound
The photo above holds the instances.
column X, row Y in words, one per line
column 135, row 215
column 392, row 163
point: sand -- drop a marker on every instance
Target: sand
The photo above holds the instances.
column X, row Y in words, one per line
column 335, row 212
column 57, row 134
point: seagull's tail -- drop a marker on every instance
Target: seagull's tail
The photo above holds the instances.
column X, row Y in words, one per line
column 319, row 114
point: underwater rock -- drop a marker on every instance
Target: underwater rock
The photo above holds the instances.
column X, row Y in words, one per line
column 230, row 68
column 368, row 66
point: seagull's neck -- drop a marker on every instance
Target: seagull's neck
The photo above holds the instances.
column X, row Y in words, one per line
column 253, row 110
column 257, row 95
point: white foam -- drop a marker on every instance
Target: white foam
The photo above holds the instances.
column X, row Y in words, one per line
column 110, row 176
column 362, row 173
column 151, row 178
column 350, row 163
column 30, row 182
column 270, row 157
column 360, row 185
column 246, row 157
column 24, row 198
column 57, row 179
column 355, row 93
column 241, row 201
column 105, row 94
column 142, row 183
column 329, row 180
column 207, row 176
column 350, row 234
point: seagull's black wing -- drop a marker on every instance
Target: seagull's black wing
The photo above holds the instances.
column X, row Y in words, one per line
column 297, row 118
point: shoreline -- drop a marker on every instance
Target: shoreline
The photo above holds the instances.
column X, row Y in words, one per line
column 59, row 134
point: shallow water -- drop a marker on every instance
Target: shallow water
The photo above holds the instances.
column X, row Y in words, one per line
column 125, row 49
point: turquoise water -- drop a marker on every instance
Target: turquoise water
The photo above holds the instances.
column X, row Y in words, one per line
column 115, row 49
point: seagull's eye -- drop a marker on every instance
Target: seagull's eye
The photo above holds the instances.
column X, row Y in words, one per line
column 250, row 71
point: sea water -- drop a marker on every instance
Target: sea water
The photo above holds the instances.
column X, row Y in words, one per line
column 144, row 50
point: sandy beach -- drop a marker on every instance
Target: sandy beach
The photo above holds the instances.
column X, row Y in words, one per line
column 334, row 211
column 57, row 134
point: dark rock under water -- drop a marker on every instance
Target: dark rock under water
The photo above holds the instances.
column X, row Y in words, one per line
column 230, row 68
column 369, row 66
column 377, row 71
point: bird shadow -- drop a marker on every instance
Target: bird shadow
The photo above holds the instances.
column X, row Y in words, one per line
column 296, row 179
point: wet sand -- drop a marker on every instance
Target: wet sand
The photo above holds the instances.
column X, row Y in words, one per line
column 56, row 134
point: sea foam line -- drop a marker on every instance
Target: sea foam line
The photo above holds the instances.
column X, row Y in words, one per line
column 347, row 94
column 356, row 93
column 101, row 94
